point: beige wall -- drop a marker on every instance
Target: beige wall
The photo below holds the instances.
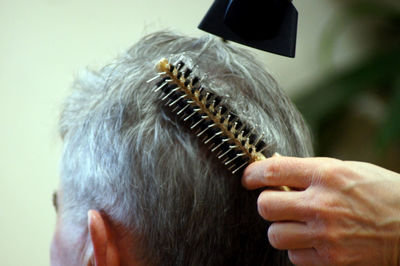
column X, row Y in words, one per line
column 43, row 44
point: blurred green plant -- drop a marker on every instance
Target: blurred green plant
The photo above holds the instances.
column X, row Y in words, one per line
column 330, row 100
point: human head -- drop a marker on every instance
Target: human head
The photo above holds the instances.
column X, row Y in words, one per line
column 160, row 192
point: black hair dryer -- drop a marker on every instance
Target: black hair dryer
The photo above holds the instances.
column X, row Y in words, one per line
column 268, row 25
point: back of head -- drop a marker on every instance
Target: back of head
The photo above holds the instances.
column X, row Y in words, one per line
column 153, row 175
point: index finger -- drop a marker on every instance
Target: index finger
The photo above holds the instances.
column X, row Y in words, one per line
column 282, row 171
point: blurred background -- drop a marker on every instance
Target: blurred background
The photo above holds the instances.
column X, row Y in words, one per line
column 354, row 107
column 345, row 79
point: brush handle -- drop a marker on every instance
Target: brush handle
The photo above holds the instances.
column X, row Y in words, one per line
column 236, row 136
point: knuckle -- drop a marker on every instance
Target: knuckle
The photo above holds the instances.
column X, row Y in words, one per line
column 318, row 235
column 327, row 170
column 328, row 240
column 274, row 168
column 315, row 206
column 332, row 256
column 331, row 173
column 332, row 170
column 325, row 204
column 330, row 237
column 324, row 234
column 322, row 206
column 318, row 173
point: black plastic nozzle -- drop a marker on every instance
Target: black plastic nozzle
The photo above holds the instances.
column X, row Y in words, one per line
column 268, row 25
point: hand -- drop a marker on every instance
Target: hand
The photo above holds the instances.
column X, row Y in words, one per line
column 341, row 213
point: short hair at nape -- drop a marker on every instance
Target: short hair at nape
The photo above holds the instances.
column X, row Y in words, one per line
column 124, row 155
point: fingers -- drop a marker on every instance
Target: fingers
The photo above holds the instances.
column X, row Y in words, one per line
column 283, row 171
column 308, row 256
column 289, row 235
column 283, row 206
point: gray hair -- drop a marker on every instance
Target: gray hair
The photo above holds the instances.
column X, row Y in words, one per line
column 124, row 155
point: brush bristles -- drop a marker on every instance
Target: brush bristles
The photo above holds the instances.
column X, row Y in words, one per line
column 214, row 123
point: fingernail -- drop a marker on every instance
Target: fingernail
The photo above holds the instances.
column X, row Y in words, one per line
column 276, row 155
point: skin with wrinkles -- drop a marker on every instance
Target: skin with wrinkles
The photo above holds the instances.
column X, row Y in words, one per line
column 341, row 213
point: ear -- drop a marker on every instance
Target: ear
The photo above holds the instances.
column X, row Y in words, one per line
column 105, row 250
